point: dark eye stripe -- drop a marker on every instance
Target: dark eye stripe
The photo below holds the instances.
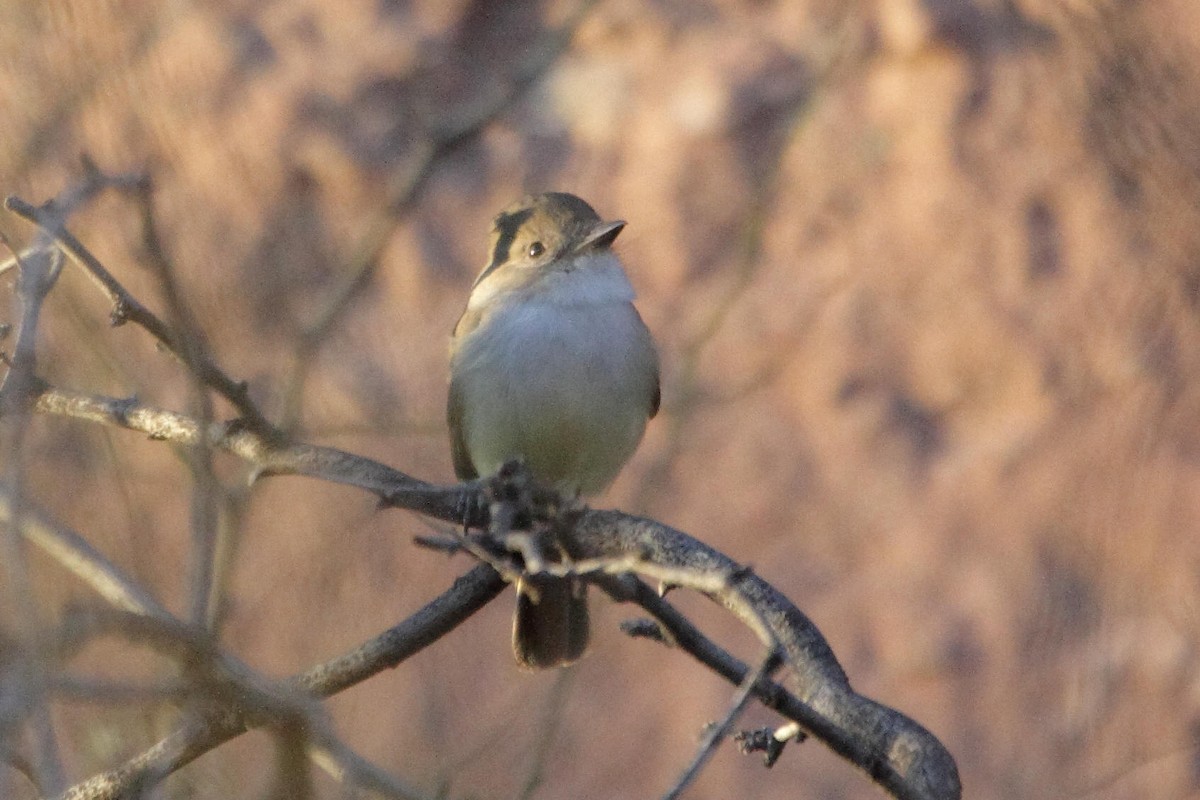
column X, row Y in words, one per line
column 507, row 225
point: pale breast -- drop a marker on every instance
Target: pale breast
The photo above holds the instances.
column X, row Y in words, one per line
column 567, row 388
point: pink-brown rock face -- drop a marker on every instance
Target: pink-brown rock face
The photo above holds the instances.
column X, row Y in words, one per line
column 925, row 278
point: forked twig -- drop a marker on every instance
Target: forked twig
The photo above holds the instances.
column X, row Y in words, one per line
column 204, row 590
column 126, row 308
column 717, row 731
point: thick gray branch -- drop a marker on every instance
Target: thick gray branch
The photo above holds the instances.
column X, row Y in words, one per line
column 896, row 751
column 893, row 749
column 266, row 455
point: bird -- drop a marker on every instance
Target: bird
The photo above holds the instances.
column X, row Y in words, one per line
column 550, row 363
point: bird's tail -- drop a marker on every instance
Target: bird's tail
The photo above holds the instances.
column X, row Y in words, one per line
column 553, row 631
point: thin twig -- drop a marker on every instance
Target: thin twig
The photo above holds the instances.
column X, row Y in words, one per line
column 126, row 308
column 204, row 595
column 445, row 137
column 266, row 456
column 205, row 732
column 352, row 770
column 39, row 271
column 75, row 553
column 681, row 633
column 548, row 723
column 717, row 731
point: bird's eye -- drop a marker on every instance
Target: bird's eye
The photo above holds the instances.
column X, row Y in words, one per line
column 536, row 249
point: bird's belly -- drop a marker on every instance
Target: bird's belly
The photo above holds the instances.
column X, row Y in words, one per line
column 566, row 389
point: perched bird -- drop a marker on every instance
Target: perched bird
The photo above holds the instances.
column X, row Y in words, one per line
column 551, row 363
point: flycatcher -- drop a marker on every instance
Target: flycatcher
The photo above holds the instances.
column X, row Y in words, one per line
column 551, row 363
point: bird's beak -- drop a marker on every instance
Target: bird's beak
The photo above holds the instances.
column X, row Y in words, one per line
column 601, row 236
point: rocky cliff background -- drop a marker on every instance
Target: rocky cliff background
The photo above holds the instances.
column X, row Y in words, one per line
column 926, row 282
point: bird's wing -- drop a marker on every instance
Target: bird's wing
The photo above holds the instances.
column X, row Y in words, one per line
column 464, row 468
column 648, row 339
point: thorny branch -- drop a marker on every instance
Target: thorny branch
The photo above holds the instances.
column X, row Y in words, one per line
column 608, row 548
column 896, row 751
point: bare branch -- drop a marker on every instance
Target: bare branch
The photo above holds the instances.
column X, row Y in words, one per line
column 446, row 136
column 73, row 552
column 204, row 597
column 39, row 270
column 233, row 682
column 717, row 731
column 206, row 731
column 126, row 308
column 893, row 749
column 267, row 456
column 350, row 769
column 255, row 700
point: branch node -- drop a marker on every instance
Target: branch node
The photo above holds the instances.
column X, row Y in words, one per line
column 20, row 389
column 440, row 544
column 122, row 406
column 119, row 314
column 645, row 628
column 91, row 172
column 740, row 572
column 769, row 741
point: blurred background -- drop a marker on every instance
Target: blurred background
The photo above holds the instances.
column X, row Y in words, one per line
column 925, row 276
